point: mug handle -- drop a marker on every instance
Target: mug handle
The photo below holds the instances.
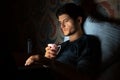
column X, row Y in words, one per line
column 59, row 48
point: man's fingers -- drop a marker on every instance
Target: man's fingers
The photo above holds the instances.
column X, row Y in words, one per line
column 28, row 62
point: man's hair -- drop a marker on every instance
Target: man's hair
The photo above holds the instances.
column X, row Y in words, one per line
column 71, row 9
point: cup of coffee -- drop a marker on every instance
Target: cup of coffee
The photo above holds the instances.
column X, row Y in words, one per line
column 55, row 47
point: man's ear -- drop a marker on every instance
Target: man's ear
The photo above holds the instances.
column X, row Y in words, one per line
column 79, row 19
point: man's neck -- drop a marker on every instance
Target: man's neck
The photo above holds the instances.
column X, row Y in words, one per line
column 75, row 36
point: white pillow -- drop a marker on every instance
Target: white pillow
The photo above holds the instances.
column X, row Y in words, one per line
column 109, row 35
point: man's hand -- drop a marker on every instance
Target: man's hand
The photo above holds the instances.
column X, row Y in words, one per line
column 32, row 59
column 51, row 52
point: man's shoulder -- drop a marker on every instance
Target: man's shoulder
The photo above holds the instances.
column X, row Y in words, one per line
column 90, row 37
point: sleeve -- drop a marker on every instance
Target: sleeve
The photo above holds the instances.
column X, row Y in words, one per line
column 90, row 58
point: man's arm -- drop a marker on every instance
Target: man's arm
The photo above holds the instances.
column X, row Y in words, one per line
column 64, row 70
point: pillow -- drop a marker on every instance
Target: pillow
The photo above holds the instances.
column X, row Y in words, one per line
column 109, row 35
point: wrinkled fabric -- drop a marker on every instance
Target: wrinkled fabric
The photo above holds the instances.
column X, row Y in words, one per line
column 84, row 54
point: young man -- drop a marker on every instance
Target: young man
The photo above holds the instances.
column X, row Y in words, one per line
column 80, row 56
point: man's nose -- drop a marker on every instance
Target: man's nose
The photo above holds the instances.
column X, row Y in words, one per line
column 62, row 25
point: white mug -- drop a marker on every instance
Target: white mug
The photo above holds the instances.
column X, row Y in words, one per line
column 55, row 47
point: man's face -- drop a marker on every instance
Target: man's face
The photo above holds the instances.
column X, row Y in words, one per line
column 67, row 24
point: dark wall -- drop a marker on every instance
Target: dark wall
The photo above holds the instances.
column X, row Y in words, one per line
column 8, row 41
column 18, row 17
column 13, row 31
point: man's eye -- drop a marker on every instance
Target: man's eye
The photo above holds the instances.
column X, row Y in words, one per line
column 66, row 20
